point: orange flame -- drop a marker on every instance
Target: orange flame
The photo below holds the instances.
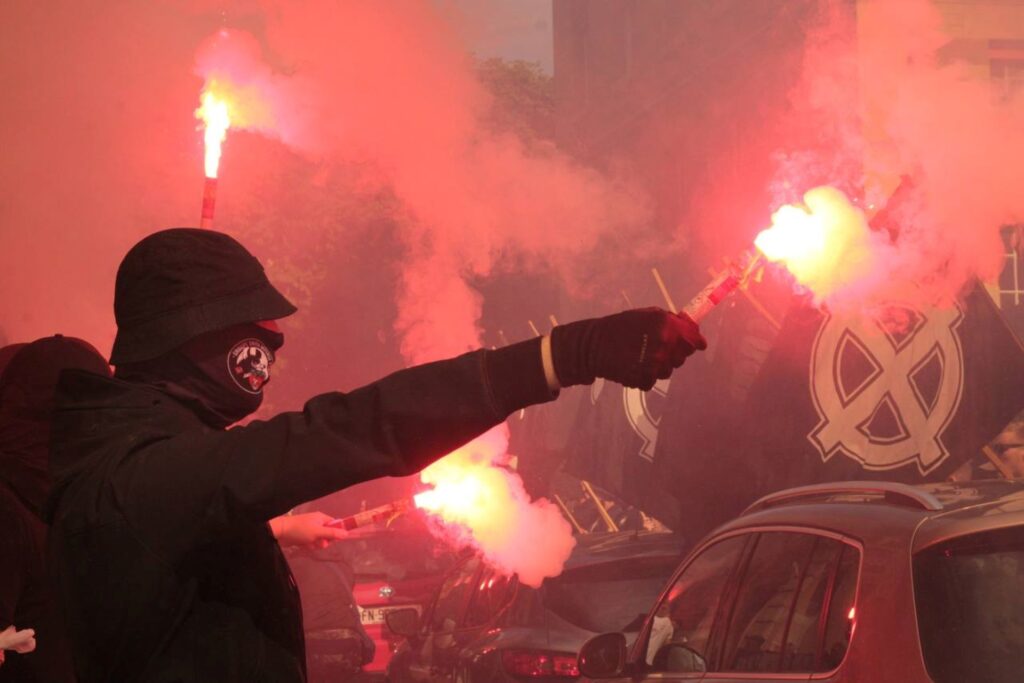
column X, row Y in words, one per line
column 826, row 244
column 213, row 112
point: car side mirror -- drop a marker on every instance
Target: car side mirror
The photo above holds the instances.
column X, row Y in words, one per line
column 603, row 656
column 403, row 622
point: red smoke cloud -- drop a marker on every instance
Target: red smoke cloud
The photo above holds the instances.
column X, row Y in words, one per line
column 387, row 85
column 896, row 101
column 370, row 100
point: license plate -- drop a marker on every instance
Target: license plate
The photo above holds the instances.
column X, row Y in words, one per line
column 375, row 615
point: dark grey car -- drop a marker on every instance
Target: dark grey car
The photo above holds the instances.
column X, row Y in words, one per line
column 854, row 581
column 483, row 626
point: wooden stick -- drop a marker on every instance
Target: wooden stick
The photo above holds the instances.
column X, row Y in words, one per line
column 994, row 458
column 759, row 307
column 664, row 290
column 626, row 297
column 533, row 327
column 608, row 521
column 554, row 321
column 568, row 515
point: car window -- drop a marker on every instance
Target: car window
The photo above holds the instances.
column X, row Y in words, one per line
column 841, row 611
column 681, row 627
column 452, row 596
column 610, row 596
column 775, row 622
column 970, row 607
column 764, row 601
column 491, row 594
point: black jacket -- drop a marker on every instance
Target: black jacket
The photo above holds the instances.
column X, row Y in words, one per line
column 159, row 537
column 26, row 598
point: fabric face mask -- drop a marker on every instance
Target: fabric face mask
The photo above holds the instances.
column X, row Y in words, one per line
column 233, row 366
column 220, row 375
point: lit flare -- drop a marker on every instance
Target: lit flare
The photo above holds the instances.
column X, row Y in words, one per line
column 826, row 244
column 476, row 500
column 213, row 112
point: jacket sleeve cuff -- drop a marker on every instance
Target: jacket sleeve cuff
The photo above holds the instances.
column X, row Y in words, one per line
column 516, row 376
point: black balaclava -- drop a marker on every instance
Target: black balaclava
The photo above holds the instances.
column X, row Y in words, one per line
column 220, row 375
column 27, row 388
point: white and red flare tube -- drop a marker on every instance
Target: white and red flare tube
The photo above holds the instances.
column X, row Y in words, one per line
column 209, row 201
column 725, row 283
column 377, row 515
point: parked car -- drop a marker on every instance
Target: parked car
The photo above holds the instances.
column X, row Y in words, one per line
column 392, row 568
column 853, row 581
column 337, row 645
column 485, row 626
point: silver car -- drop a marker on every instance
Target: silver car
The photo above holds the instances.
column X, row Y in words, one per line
column 853, row 581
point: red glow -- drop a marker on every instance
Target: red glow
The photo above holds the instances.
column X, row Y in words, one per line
column 537, row 663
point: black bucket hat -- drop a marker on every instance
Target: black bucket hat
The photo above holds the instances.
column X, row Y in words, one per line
column 177, row 284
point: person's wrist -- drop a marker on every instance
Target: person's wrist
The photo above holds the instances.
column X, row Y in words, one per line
column 570, row 348
column 516, row 377
column 548, row 363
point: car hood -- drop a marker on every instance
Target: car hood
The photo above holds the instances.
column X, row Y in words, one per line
column 569, row 639
column 367, row 592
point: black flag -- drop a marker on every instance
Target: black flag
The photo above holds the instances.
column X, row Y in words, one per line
column 614, row 440
column 655, row 450
column 854, row 399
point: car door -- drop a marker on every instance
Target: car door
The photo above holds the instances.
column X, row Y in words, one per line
column 792, row 612
column 677, row 637
column 491, row 594
column 436, row 646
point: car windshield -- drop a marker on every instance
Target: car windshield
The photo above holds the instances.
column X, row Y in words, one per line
column 395, row 557
column 609, row 597
column 970, row 607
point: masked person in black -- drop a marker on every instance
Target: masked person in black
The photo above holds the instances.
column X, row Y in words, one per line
column 28, row 380
column 166, row 565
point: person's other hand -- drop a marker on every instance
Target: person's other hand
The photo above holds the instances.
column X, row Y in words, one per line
column 635, row 348
column 306, row 529
column 19, row 641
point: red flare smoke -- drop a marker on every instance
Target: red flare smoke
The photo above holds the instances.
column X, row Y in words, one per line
column 476, row 501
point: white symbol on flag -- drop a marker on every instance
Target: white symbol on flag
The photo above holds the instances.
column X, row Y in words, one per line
column 640, row 418
column 885, row 399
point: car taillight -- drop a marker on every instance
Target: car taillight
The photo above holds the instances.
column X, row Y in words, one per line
column 537, row 663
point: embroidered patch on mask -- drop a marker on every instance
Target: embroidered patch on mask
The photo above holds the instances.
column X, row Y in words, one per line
column 249, row 364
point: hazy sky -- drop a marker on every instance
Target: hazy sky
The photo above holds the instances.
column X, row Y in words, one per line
column 511, row 29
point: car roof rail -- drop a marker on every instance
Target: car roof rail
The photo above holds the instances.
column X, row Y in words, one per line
column 890, row 491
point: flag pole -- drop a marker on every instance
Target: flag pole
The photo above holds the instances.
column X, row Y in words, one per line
column 568, row 515
column 664, row 290
column 994, row 458
column 608, row 521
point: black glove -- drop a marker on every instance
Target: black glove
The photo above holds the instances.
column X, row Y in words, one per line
column 635, row 348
